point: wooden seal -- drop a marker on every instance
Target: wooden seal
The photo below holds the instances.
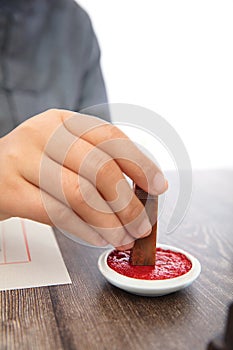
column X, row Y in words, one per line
column 144, row 249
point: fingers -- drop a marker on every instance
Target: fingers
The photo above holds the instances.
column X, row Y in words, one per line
column 65, row 219
column 106, row 177
column 71, row 190
column 32, row 203
column 114, row 142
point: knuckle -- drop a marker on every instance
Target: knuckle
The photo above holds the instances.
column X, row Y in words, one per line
column 109, row 170
column 114, row 132
column 52, row 111
column 13, row 155
column 25, row 130
column 28, row 129
column 131, row 212
column 53, row 114
column 84, row 193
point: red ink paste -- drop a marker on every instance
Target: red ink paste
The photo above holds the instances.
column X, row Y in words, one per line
column 169, row 264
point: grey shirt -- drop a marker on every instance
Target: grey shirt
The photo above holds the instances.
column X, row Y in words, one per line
column 49, row 58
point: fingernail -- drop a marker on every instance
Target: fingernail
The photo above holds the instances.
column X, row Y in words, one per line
column 159, row 183
column 145, row 228
column 145, row 234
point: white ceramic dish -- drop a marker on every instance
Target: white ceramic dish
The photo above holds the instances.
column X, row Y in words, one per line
column 150, row 288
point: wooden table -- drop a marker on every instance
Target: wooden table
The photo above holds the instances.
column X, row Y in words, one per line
column 92, row 314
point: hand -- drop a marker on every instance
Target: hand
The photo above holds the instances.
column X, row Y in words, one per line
column 67, row 170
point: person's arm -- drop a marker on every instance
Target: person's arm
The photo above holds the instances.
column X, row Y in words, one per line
column 67, row 170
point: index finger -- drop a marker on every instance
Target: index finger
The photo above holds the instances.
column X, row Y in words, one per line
column 107, row 137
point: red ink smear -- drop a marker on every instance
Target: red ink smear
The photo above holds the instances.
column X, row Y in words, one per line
column 169, row 264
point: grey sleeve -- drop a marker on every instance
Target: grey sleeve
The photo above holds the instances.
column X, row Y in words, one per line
column 93, row 91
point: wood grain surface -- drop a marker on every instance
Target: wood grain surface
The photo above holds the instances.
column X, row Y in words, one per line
column 92, row 314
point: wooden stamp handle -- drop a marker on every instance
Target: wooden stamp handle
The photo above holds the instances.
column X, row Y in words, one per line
column 144, row 250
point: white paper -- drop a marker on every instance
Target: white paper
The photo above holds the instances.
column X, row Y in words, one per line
column 29, row 256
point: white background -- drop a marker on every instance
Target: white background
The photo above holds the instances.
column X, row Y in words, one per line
column 176, row 58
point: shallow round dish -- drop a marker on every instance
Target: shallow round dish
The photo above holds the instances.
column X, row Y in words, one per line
column 146, row 287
